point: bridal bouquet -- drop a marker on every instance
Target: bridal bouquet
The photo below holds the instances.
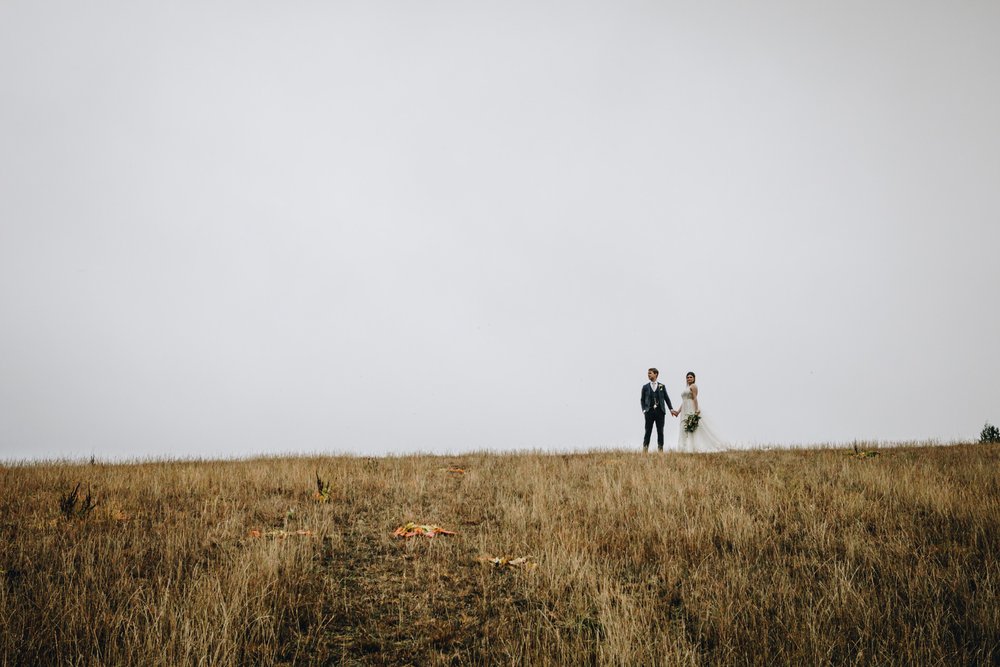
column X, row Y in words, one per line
column 691, row 422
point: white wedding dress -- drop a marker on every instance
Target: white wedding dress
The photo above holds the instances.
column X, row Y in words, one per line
column 703, row 439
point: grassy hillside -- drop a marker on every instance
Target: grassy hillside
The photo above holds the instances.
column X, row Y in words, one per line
column 771, row 557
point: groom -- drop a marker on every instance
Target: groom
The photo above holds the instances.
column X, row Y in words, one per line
column 654, row 402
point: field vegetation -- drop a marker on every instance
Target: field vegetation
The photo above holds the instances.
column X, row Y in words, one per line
column 803, row 557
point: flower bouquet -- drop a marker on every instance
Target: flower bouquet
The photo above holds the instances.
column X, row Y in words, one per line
column 691, row 422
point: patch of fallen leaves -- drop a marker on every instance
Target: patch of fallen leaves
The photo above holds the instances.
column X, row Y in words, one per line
column 500, row 562
column 411, row 529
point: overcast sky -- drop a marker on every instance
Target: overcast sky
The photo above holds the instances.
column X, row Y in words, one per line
column 247, row 228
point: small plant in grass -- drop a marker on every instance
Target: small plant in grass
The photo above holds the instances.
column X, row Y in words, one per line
column 72, row 508
column 859, row 453
column 990, row 433
column 322, row 493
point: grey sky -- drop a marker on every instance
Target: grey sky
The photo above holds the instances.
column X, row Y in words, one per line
column 262, row 227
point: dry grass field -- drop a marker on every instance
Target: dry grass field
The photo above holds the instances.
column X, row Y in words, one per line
column 799, row 557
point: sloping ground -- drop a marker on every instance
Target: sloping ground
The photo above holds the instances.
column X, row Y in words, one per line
column 793, row 557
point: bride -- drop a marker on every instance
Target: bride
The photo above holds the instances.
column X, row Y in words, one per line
column 701, row 439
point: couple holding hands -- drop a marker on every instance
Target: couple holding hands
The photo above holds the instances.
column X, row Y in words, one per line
column 695, row 435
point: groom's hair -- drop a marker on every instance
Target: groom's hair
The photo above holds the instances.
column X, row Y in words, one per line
column 655, row 371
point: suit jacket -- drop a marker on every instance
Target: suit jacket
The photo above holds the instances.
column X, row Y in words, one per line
column 650, row 399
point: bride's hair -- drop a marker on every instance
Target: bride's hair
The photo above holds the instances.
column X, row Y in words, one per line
column 691, row 373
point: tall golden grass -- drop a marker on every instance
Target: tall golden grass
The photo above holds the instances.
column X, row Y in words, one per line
column 765, row 557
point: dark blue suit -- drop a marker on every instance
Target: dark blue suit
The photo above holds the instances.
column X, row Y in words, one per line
column 654, row 406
